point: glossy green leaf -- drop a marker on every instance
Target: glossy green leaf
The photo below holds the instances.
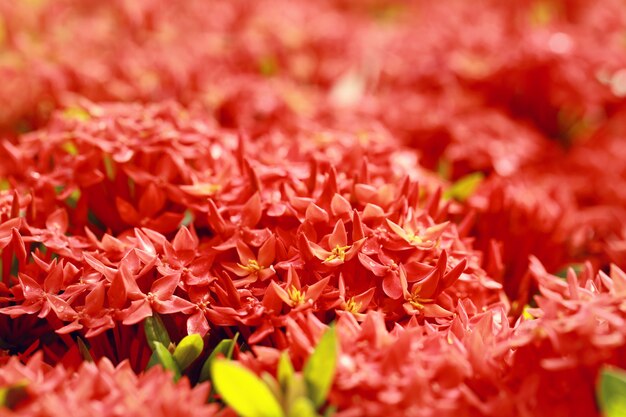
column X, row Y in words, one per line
column 319, row 371
column 611, row 392
column 11, row 395
column 297, row 388
column 166, row 360
column 225, row 347
column 273, row 385
column 154, row 360
column 285, row 371
column 462, row 189
column 84, row 350
column 302, row 407
column 188, row 350
column 156, row 331
column 242, row 390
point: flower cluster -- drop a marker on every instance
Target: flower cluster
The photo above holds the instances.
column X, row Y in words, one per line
column 426, row 195
column 102, row 389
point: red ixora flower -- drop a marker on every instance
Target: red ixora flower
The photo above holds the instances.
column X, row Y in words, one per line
column 160, row 298
column 422, row 296
column 453, row 204
column 102, row 389
column 339, row 251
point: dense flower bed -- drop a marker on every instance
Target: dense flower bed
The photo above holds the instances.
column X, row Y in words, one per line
column 341, row 207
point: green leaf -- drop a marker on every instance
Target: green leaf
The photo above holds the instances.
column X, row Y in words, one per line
column 330, row 410
column 242, row 390
column 11, row 395
column 156, row 331
column 319, row 371
column 273, row 385
column 462, row 189
column 109, row 166
column 154, row 360
column 297, row 388
column 577, row 267
column 166, row 360
column 302, row 407
column 95, row 221
column 188, row 350
column 187, row 218
column 285, row 371
column 224, row 347
column 72, row 200
column 611, row 392
column 84, row 349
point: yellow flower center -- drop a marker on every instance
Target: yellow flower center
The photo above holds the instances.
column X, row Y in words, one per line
column 296, row 296
column 338, row 252
column 352, row 306
column 416, row 301
column 253, row 266
column 413, row 238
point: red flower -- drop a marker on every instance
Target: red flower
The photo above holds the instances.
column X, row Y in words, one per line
column 423, row 294
column 160, row 298
column 253, row 268
column 293, row 294
column 339, row 251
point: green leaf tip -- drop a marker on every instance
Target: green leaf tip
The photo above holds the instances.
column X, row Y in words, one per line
column 611, row 392
column 225, row 347
column 319, row 370
column 242, row 390
column 188, row 350
column 165, row 359
column 465, row 187
column 156, row 331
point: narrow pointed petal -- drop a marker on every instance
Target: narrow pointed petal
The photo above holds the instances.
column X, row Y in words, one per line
column 164, row 287
column 267, row 252
column 138, row 310
column 252, row 211
column 173, row 305
column 338, row 237
column 184, row 241
column 358, row 232
column 449, row 278
column 245, row 254
column 315, row 290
